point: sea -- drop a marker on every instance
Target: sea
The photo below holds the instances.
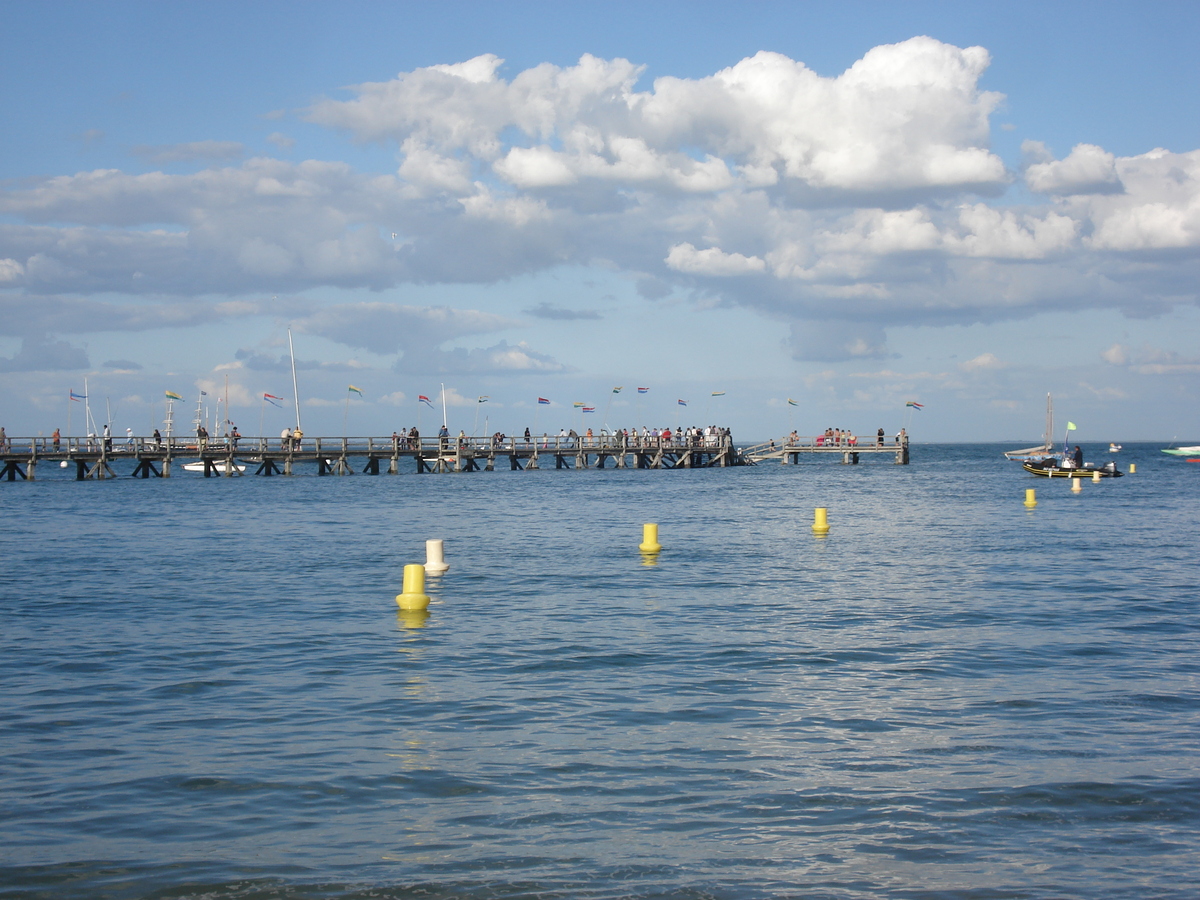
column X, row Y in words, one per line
column 208, row 690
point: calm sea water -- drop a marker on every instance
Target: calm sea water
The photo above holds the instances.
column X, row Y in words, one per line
column 208, row 690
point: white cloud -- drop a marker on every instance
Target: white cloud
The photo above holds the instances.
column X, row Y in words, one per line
column 982, row 362
column 1116, row 355
column 10, row 270
column 713, row 261
column 1087, row 170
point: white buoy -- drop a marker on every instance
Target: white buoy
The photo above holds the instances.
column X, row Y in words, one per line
column 435, row 562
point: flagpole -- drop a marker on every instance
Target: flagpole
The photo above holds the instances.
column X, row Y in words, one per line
column 346, row 417
column 445, row 424
column 262, row 413
column 69, row 402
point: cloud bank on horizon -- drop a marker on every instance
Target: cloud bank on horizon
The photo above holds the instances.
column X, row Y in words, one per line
column 839, row 206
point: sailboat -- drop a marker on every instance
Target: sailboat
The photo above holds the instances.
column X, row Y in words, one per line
column 1046, row 448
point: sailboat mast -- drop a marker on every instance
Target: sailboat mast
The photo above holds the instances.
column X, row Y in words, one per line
column 443, row 404
column 1049, row 436
column 295, row 390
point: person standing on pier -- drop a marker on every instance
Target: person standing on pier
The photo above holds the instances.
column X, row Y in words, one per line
column 157, row 438
column 285, row 439
column 879, row 438
column 297, row 436
column 3, row 439
column 56, row 437
column 107, row 439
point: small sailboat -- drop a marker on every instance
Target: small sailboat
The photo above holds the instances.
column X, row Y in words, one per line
column 1046, row 449
column 218, row 465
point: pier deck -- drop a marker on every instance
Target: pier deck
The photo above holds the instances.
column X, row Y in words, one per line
column 92, row 459
column 790, row 450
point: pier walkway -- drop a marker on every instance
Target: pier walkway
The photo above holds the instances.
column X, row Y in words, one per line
column 790, row 449
column 93, row 458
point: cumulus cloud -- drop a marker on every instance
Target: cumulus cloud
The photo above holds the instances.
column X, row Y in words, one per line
column 712, row 261
column 1116, row 355
column 905, row 115
column 1087, row 170
column 982, row 362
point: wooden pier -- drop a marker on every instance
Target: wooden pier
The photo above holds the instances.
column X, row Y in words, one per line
column 789, row 450
column 96, row 459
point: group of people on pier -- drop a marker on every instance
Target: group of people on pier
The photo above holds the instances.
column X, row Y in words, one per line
column 837, row 437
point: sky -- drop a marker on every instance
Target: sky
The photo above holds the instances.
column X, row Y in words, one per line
column 783, row 215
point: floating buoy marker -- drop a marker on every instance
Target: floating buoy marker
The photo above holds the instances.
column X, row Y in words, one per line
column 435, row 560
column 1030, row 498
column 1132, row 468
column 650, row 542
column 414, row 596
column 1076, row 485
column 1096, row 477
column 821, row 520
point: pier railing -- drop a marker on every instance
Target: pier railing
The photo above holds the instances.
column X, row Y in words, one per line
column 227, row 454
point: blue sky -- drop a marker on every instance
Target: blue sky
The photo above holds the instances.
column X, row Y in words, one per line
column 967, row 205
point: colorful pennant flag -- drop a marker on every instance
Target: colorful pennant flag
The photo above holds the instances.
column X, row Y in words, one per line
column 643, row 390
column 589, row 409
column 915, row 405
column 483, row 398
column 171, row 395
column 1070, row 426
column 271, row 398
column 577, row 405
column 421, row 398
column 543, row 401
column 618, row 390
column 682, row 402
column 792, row 402
column 77, row 397
column 718, row 393
column 356, row 390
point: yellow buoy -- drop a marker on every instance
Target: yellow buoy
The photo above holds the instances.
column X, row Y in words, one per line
column 435, row 561
column 1076, row 485
column 1096, row 477
column 413, row 596
column 820, row 520
column 650, row 542
column 1132, row 468
column 1030, row 498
